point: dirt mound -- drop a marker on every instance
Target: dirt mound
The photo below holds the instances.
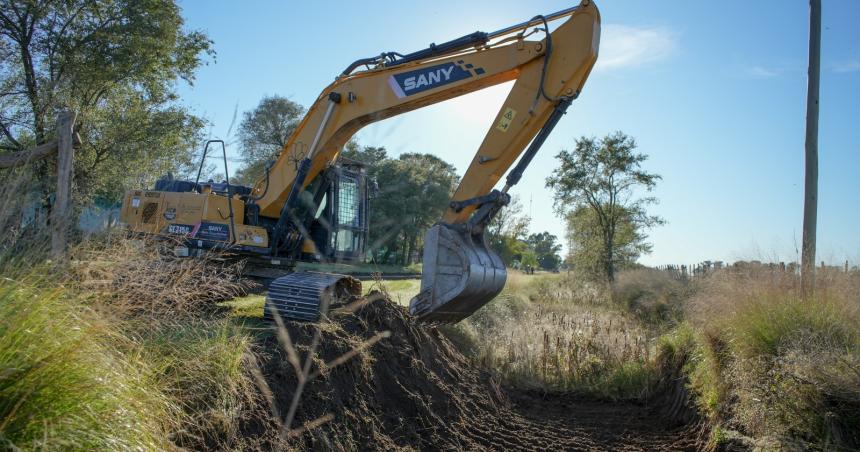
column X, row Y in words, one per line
column 414, row 390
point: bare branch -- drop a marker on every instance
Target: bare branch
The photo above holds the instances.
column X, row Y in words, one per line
column 20, row 158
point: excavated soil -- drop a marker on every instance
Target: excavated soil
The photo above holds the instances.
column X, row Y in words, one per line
column 415, row 391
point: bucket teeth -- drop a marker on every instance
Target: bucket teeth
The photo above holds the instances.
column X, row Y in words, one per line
column 305, row 295
column 461, row 274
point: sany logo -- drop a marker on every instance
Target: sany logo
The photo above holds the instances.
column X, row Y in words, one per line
column 412, row 82
column 428, row 78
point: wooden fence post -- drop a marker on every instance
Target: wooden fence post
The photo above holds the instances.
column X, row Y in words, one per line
column 60, row 212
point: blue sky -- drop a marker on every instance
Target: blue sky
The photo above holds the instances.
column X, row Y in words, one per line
column 713, row 92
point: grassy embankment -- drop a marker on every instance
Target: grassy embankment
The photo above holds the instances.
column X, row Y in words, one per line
column 115, row 349
column 773, row 366
column 112, row 348
column 765, row 366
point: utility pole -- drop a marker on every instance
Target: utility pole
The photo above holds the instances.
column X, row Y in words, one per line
column 530, row 207
column 810, row 198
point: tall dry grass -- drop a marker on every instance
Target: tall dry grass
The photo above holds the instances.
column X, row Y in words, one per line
column 776, row 366
column 141, row 277
column 553, row 332
column 112, row 347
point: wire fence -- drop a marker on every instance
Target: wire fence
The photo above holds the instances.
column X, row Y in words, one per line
column 688, row 271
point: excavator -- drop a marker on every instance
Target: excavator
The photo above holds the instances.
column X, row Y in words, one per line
column 311, row 205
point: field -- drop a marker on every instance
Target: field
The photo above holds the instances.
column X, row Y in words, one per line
column 122, row 346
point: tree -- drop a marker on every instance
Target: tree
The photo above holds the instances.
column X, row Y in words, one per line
column 507, row 232
column 585, row 243
column 422, row 187
column 414, row 191
column 546, row 249
column 263, row 134
column 596, row 183
column 372, row 156
column 115, row 62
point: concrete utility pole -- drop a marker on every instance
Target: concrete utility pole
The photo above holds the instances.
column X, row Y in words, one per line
column 810, row 199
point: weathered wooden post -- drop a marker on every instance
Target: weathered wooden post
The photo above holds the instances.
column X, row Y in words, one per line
column 810, row 199
column 61, row 211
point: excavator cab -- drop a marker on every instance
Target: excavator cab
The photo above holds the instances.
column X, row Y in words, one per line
column 340, row 225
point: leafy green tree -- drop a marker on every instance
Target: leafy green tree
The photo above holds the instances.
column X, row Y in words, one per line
column 372, row 156
column 417, row 196
column 263, row 134
column 508, row 231
column 114, row 62
column 528, row 259
column 546, row 249
column 413, row 192
column 595, row 184
column 585, row 243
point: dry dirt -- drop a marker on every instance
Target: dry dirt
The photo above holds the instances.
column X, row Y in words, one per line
column 415, row 391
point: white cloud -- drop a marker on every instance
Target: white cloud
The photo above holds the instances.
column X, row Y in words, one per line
column 762, row 72
column 846, row 66
column 624, row 46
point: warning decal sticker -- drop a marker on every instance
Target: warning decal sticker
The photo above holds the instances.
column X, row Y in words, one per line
column 507, row 117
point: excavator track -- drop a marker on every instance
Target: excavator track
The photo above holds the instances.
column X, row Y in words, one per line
column 306, row 295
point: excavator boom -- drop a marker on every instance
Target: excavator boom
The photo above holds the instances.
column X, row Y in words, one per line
column 460, row 272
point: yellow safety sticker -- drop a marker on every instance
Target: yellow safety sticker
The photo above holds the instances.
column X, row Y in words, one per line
column 507, row 117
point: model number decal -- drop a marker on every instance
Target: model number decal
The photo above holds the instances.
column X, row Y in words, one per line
column 181, row 229
column 213, row 231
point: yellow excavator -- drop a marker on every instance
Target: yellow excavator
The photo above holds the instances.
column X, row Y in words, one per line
column 310, row 205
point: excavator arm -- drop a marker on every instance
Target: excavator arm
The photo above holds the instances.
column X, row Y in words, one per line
column 460, row 272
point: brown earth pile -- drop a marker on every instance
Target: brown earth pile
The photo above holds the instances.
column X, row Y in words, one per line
column 414, row 390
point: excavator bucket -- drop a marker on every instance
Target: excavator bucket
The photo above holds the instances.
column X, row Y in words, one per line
column 461, row 274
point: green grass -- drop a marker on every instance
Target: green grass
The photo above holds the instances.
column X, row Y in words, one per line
column 401, row 291
column 248, row 306
column 200, row 364
column 65, row 384
column 766, row 326
column 358, row 268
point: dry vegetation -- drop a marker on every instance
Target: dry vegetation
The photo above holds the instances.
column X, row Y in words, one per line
column 119, row 347
column 141, row 278
column 766, row 367
column 114, row 347
column 774, row 366
column 556, row 333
